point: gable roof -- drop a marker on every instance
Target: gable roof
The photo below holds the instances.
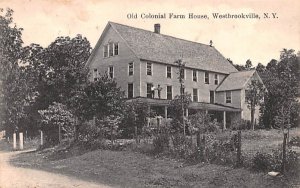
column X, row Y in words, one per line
column 151, row 46
column 236, row 80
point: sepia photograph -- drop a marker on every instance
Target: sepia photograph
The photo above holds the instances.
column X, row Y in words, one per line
column 159, row 93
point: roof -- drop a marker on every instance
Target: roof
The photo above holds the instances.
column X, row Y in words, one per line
column 192, row 105
column 236, row 80
column 151, row 46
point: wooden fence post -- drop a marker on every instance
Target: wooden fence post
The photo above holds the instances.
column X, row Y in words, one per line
column 42, row 139
column 135, row 134
column 239, row 148
column 15, row 141
column 21, row 139
column 284, row 153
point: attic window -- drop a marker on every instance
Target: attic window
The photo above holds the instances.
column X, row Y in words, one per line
column 111, row 49
column 105, row 51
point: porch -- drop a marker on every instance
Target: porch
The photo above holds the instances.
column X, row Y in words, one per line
column 223, row 114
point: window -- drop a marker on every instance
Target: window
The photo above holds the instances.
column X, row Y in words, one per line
column 206, row 77
column 169, row 92
column 130, row 69
column 105, row 51
column 95, row 74
column 216, row 79
column 116, row 49
column 212, row 97
column 169, row 72
column 111, row 71
column 149, row 90
column 195, row 95
column 228, row 96
column 195, row 75
column 149, row 69
column 130, row 91
column 182, row 71
column 111, row 49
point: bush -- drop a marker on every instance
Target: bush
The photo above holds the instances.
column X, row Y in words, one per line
column 160, row 143
column 241, row 125
column 295, row 141
column 220, row 152
column 273, row 162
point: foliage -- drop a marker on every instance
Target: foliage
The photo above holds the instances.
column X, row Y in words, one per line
column 281, row 79
column 161, row 143
column 55, row 116
column 272, row 162
column 97, row 99
column 295, row 141
column 176, row 111
column 55, row 73
column 13, row 85
column 110, row 127
column 255, row 92
column 241, row 124
column 201, row 122
column 134, row 115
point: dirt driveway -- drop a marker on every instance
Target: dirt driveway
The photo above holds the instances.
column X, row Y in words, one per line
column 14, row 177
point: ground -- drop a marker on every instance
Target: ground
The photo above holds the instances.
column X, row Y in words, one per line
column 16, row 177
column 132, row 169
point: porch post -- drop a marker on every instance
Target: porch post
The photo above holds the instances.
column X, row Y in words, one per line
column 224, row 120
column 166, row 113
column 206, row 112
column 187, row 112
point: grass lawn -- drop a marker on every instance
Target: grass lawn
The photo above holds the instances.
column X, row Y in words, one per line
column 132, row 169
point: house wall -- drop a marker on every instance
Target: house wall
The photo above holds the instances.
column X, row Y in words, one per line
column 119, row 62
column 159, row 76
column 235, row 98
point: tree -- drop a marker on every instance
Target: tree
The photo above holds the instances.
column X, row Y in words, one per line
column 281, row 79
column 248, row 64
column 13, row 90
column 97, row 99
column 254, row 97
column 55, row 73
column 57, row 121
column 177, row 106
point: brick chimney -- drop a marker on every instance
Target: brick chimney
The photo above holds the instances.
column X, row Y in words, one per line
column 157, row 28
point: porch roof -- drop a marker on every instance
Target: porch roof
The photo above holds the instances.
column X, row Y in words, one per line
column 192, row 105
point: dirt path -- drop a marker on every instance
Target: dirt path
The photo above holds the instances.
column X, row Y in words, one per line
column 14, row 177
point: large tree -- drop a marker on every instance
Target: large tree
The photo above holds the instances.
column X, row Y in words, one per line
column 281, row 79
column 13, row 90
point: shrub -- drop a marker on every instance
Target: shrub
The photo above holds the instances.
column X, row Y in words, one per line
column 160, row 143
column 295, row 141
column 272, row 162
column 241, row 125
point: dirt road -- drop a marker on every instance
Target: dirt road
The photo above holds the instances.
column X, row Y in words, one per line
column 14, row 177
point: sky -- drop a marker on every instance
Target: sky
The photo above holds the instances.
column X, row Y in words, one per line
column 259, row 40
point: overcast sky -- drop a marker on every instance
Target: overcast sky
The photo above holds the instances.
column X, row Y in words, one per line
column 238, row 39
